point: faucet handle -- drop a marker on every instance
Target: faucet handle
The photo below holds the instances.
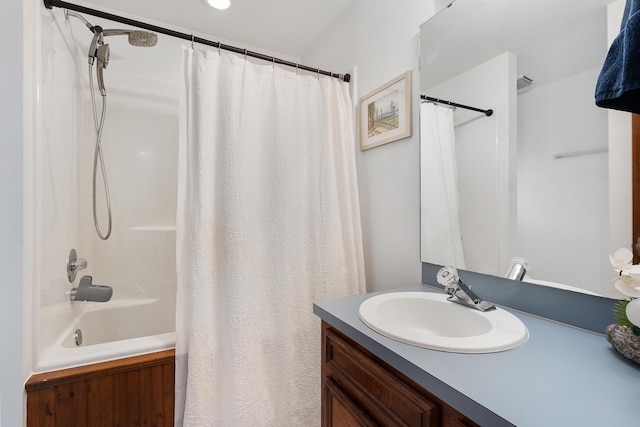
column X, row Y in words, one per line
column 448, row 277
column 79, row 264
column 74, row 264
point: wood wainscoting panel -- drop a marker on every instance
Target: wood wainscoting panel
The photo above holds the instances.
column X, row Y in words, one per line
column 135, row 391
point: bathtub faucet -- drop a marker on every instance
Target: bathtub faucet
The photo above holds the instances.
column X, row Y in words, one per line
column 87, row 291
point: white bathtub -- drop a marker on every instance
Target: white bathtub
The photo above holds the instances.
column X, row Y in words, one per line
column 112, row 330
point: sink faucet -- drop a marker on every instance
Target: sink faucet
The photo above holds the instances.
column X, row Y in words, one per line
column 459, row 291
column 86, row 291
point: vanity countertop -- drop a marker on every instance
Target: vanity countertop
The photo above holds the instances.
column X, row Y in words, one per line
column 562, row 376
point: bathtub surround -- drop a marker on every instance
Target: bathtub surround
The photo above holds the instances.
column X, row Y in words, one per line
column 109, row 331
column 268, row 223
column 140, row 143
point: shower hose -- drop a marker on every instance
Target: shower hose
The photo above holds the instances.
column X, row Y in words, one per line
column 99, row 160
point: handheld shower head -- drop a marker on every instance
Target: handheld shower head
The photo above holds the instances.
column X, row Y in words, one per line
column 103, row 54
column 95, row 42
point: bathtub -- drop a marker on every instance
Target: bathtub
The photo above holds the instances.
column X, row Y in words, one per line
column 82, row 333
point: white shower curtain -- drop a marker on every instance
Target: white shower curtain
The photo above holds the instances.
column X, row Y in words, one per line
column 440, row 224
column 268, row 223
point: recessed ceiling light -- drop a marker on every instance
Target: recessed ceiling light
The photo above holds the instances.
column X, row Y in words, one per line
column 219, row 4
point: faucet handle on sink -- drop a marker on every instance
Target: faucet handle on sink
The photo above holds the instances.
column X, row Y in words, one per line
column 460, row 292
column 448, row 277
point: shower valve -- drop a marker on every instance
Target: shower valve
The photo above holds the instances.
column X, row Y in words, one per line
column 74, row 264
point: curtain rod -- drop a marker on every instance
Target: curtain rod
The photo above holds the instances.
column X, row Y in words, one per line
column 49, row 4
column 454, row 104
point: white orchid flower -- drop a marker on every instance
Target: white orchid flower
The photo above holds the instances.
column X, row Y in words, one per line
column 622, row 259
column 628, row 280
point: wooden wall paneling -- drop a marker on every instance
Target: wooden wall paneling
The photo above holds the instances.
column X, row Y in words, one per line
column 145, row 396
column 133, row 398
column 120, row 399
column 47, row 415
column 136, row 391
column 78, row 400
column 62, row 411
column 106, row 402
column 156, row 393
column 168, row 371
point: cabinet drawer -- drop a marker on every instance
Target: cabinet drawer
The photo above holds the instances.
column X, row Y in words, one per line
column 384, row 397
column 341, row 411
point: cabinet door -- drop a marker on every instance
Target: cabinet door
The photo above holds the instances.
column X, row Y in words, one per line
column 380, row 394
column 341, row 411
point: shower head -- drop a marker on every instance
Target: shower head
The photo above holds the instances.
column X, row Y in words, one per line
column 136, row 37
column 143, row 39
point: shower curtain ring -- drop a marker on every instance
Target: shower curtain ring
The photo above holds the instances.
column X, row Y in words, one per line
column 297, row 65
column 219, row 44
column 318, row 75
column 192, row 39
column 245, row 54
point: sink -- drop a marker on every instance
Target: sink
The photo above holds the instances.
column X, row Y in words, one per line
column 428, row 320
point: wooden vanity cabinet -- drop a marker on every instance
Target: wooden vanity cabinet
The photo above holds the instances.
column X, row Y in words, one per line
column 358, row 389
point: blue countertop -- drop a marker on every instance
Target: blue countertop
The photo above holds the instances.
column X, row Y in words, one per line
column 562, row 376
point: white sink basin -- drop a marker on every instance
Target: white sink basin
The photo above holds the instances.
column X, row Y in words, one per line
column 428, row 320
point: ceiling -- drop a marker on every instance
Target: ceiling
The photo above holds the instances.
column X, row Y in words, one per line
column 290, row 27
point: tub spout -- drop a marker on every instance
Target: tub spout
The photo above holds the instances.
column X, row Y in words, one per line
column 87, row 291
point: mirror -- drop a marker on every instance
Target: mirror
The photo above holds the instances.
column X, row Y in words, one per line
column 533, row 178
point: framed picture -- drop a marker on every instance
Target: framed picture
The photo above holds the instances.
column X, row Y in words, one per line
column 385, row 113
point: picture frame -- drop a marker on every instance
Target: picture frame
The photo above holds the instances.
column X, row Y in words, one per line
column 385, row 113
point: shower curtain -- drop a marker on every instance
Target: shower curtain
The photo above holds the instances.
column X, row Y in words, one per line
column 440, row 224
column 268, row 223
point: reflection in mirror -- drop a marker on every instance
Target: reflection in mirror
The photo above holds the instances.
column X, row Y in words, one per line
column 533, row 178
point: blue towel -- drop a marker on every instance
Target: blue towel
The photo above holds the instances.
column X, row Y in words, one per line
column 618, row 85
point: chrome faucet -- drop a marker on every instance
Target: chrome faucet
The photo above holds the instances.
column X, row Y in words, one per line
column 459, row 291
column 86, row 291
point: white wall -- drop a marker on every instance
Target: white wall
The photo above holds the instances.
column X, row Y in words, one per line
column 13, row 297
column 380, row 38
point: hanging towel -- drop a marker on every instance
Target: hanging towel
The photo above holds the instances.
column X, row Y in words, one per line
column 618, row 86
column 440, row 224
